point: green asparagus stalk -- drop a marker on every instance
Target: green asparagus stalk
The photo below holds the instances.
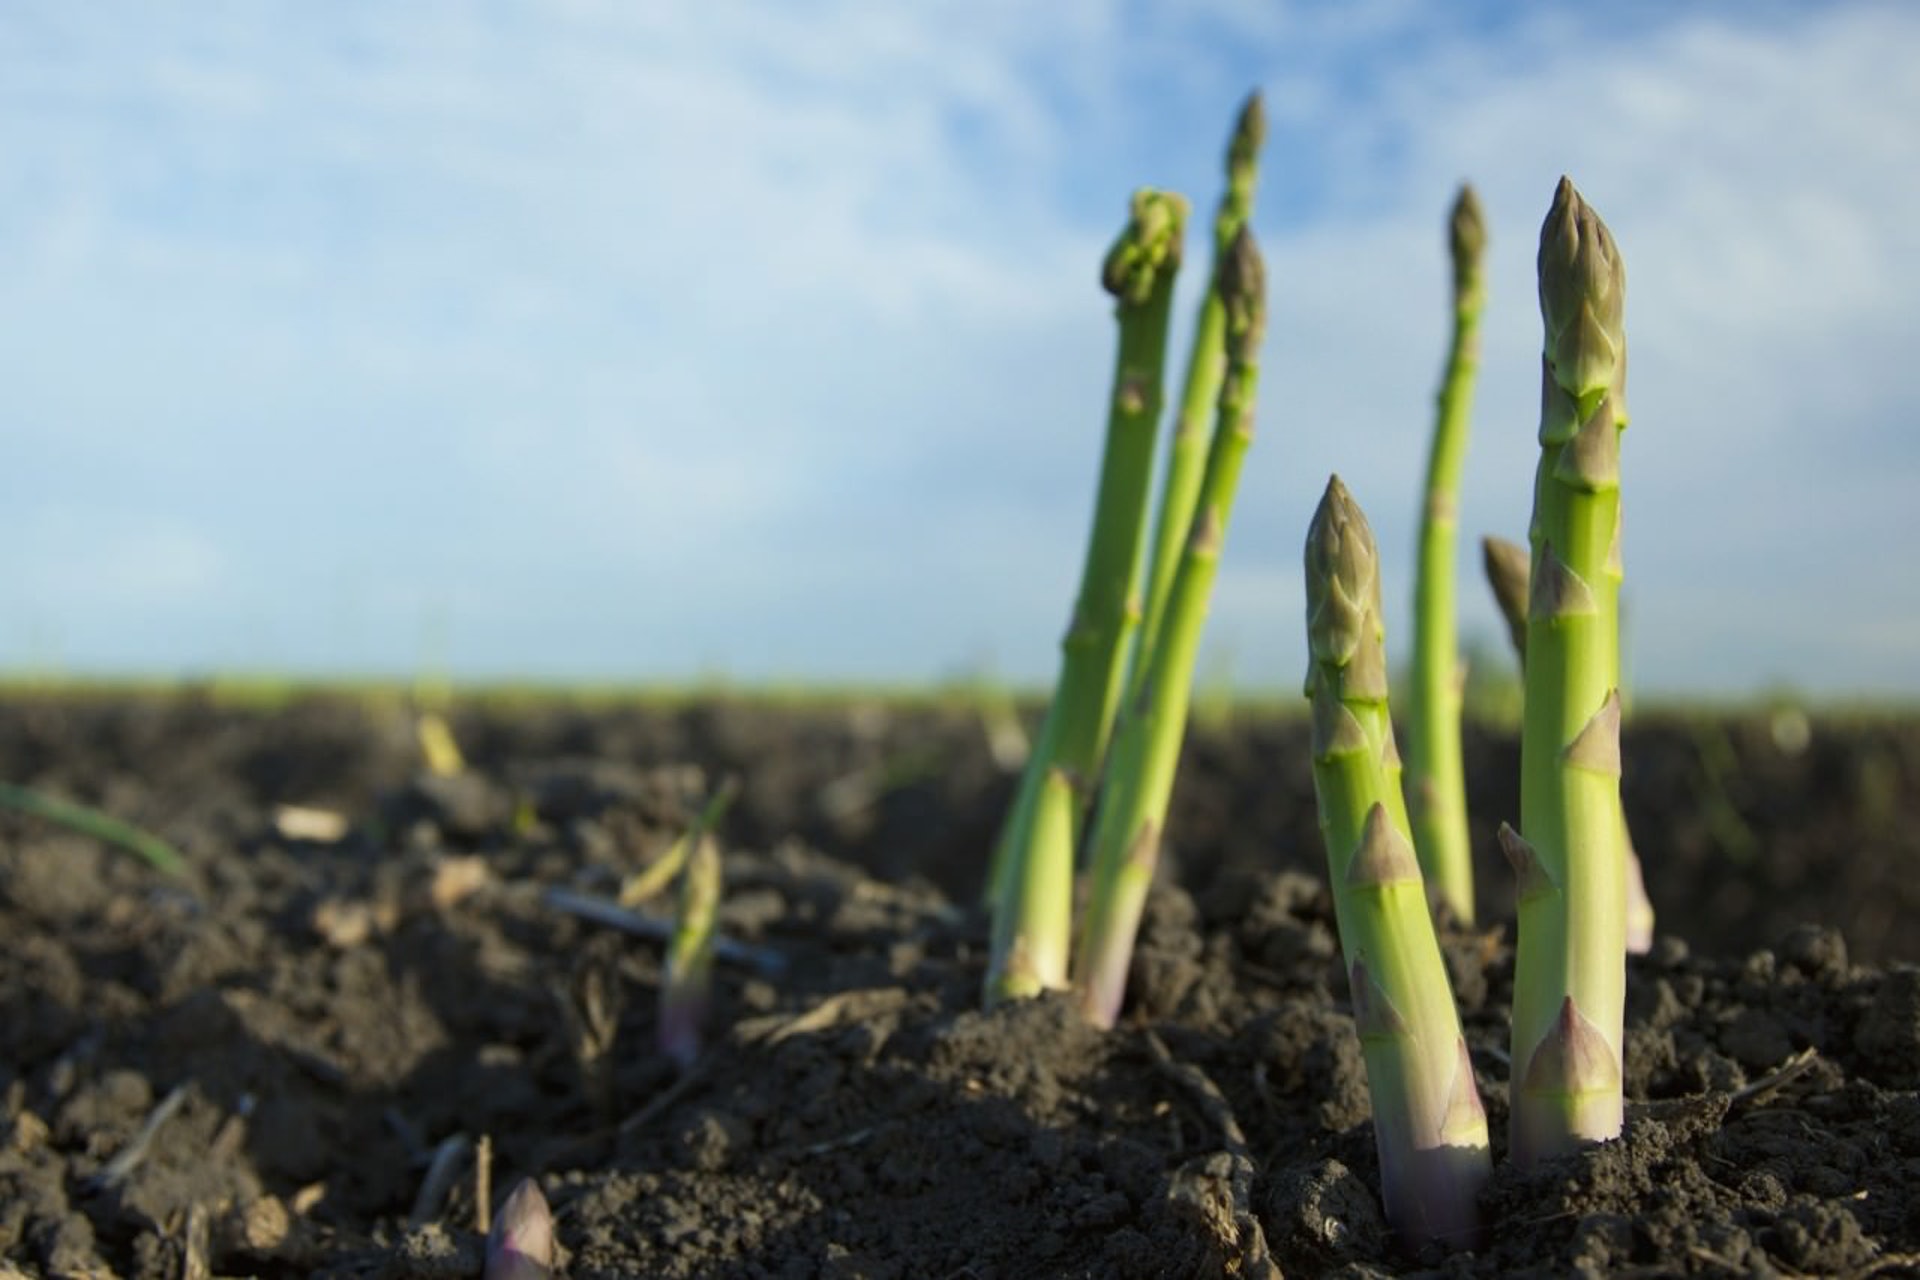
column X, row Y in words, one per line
column 520, row 1242
column 1146, row 752
column 1428, row 1121
column 1508, row 570
column 1206, row 366
column 1031, row 881
column 687, row 983
column 1570, row 963
column 1436, row 778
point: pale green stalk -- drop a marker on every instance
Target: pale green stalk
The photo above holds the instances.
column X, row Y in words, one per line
column 1508, row 571
column 1436, row 775
column 1146, row 752
column 1032, row 877
column 1188, row 448
column 1570, row 962
column 1428, row 1121
column 687, row 979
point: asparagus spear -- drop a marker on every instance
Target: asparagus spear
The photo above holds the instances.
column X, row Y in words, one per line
column 1570, row 962
column 1436, row 780
column 1146, row 751
column 1034, row 858
column 1508, row 570
column 1206, row 365
column 520, row 1243
column 1428, row 1121
column 687, row 983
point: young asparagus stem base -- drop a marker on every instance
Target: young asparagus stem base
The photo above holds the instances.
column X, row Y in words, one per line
column 1428, row 1120
column 1031, row 932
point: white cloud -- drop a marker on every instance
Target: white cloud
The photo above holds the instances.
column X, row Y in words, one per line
column 587, row 307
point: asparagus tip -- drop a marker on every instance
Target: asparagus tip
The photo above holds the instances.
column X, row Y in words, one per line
column 1249, row 134
column 1242, row 281
column 1148, row 249
column 1342, row 575
column 1467, row 231
column 520, row 1245
column 1582, row 294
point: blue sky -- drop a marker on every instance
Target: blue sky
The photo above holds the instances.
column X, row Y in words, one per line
column 593, row 340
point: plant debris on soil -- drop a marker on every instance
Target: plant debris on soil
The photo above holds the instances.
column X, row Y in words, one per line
column 290, row 1060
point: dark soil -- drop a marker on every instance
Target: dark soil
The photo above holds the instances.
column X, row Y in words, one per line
column 303, row 1023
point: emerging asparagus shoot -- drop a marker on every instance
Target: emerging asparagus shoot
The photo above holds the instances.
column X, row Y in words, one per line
column 1146, row 752
column 1428, row 1121
column 1436, row 781
column 659, row 873
column 1031, row 881
column 1570, row 963
column 687, row 982
column 520, row 1242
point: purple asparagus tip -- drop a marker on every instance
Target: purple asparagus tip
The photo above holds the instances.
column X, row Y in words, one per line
column 520, row 1246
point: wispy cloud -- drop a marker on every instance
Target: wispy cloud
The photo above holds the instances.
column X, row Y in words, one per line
column 650, row 339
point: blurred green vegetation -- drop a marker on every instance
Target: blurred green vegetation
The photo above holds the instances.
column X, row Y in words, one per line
column 1492, row 695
